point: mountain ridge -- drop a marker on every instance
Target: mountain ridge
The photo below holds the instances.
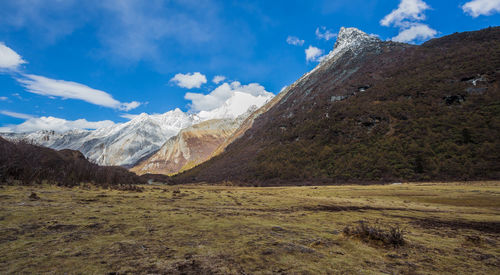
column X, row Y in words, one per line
column 374, row 113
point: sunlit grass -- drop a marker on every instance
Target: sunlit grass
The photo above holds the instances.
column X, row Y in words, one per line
column 249, row 230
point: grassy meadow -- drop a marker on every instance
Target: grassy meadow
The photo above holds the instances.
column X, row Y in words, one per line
column 448, row 228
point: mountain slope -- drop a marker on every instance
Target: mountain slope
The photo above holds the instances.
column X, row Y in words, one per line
column 193, row 145
column 377, row 111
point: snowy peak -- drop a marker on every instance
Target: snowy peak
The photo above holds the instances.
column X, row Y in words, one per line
column 352, row 37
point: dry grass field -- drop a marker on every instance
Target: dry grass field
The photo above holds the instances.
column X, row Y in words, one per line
column 448, row 228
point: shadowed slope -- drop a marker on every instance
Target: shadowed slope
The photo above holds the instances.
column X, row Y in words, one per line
column 35, row 164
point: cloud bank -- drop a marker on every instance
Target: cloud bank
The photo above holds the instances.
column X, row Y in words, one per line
column 189, row 80
column 323, row 33
column 415, row 32
column 476, row 8
column 9, row 59
column 407, row 17
column 218, row 79
column 313, row 54
column 16, row 115
column 217, row 98
column 67, row 89
column 53, row 123
column 293, row 40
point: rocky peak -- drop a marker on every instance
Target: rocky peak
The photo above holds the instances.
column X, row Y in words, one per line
column 350, row 39
column 353, row 37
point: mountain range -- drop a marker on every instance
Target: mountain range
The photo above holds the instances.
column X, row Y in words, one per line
column 126, row 144
column 370, row 111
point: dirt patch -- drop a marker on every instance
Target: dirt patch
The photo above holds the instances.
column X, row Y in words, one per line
column 339, row 208
column 62, row 227
column 8, row 234
column 191, row 266
column 486, row 227
column 196, row 264
column 128, row 248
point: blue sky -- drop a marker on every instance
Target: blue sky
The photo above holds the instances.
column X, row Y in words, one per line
column 101, row 60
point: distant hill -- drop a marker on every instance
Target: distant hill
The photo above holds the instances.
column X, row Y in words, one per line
column 29, row 163
column 376, row 111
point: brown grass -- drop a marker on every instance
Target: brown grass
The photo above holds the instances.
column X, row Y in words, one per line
column 235, row 230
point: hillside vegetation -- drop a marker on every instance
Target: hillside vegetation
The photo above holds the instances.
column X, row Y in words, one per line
column 394, row 112
column 30, row 164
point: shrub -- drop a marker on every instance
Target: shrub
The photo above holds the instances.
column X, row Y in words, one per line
column 393, row 236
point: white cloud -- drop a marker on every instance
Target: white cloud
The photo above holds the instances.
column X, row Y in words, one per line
column 476, row 8
column 68, row 89
column 407, row 17
column 189, row 80
column 5, row 130
column 415, row 32
column 313, row 54
column 216, row 98
column 17, row 95
column 293, row 40
column 326, row 34
column 9, row 59
column 3, row 98
column 130, row 105
column 16, row 115
column 407, row 11
column 56, row 124
column 129, row 116
column 218, row 79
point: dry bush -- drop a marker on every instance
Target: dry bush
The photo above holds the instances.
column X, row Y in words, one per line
column 393, row 236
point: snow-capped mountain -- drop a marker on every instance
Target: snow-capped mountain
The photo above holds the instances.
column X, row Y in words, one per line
column 121, row 144
column 192, row 145
column 350, row 39
column 125, row 144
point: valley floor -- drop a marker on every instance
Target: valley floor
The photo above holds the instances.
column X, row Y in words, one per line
column 449, row 228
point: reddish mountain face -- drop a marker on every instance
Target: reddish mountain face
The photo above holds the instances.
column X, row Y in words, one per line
column 376, row 111
column 192, row 146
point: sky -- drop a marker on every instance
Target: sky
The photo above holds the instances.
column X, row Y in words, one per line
column 89, row 64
